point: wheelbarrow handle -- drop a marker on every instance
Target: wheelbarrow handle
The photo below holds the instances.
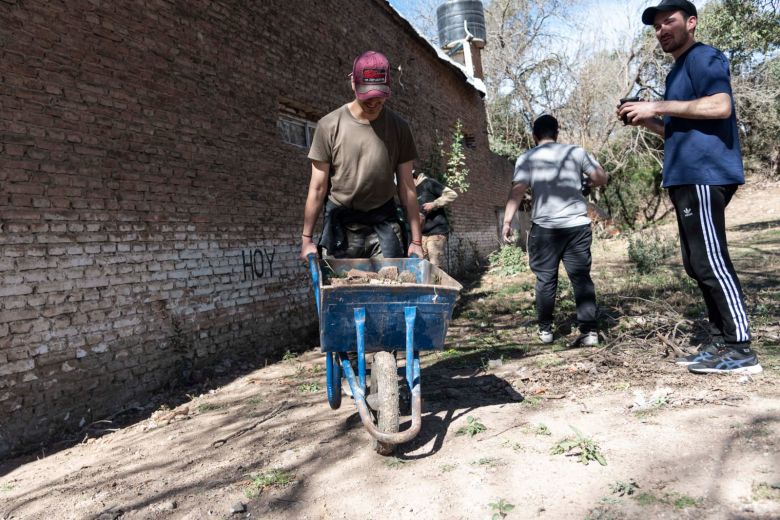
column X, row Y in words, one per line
column 314, row 267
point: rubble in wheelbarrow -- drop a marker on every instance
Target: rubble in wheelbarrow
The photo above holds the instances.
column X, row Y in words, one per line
column 389, row 275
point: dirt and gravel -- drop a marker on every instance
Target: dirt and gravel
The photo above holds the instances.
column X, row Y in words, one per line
column 496, row 406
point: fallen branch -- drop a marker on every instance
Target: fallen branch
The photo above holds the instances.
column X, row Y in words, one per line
column 524, row 423
column 221, row 442
column 678, row 352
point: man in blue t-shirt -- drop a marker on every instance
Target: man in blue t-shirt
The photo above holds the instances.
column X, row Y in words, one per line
column 702, row 170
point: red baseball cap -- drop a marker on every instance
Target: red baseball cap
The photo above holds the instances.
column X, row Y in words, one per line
column 371, row 74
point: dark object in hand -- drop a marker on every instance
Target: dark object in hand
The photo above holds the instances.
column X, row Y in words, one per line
column 585, row 188
column 633, row 99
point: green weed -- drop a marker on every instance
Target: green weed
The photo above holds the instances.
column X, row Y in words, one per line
column 516, row 446
column 449, row 353
column 289, row 357
column 209, row 407
column 646, row 499
column 472, row 428
column 541, row 429
column 673, row 499
column 507, row 261
column 652, row 407
column 394, row 463
column 684, row 501
column 531, row 401
column 764, row 491
column 602, row 513
column 648, row 250
column 550, row 360
column 500, row 509
column 585, row 448
column 512, row 289
column 308, row 388
column 446, row 468
column 272, row 478
column 487, row 461
column 622, row 488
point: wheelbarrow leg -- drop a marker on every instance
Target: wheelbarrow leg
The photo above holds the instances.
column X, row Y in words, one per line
column 413, row 379
column 410, row 314
column 360, row 330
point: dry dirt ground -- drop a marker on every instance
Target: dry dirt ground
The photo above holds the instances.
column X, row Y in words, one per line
column 267, row 445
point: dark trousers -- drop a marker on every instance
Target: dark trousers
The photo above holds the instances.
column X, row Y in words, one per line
column 702, row 223
column 546, row 249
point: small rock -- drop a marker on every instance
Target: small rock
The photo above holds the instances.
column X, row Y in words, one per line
column 407, row 277
column 238, row 508
column 171, row 505
column 389, row 272
column 495, row 363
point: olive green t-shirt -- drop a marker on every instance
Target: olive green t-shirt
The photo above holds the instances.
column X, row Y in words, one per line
column 363, row 157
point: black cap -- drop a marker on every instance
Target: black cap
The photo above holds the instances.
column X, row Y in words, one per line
column 648, row 17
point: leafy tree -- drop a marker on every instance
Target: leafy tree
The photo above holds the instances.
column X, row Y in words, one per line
column 745, row 30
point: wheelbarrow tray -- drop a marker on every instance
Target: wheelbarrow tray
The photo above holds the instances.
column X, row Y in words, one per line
column 433, row 295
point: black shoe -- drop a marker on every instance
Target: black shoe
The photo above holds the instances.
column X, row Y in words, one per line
column 732, row 361
column 703, row 353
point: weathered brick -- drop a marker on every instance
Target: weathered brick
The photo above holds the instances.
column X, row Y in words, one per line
column 16, row 367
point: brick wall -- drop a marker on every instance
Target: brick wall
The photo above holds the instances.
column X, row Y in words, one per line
column 149, row 212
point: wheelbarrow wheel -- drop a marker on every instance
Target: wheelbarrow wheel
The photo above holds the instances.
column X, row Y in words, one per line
column 384, row 387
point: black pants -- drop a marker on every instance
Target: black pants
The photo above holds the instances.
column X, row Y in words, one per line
column 702, row 222
column 546, row 249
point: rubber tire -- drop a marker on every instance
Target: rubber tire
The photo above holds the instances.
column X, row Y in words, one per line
column 384, row 383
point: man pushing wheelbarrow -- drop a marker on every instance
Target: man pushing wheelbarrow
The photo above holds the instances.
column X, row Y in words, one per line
column 362, row 156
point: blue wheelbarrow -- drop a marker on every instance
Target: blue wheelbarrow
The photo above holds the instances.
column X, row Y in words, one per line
column 381, row 319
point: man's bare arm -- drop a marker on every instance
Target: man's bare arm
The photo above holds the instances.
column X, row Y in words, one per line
column 318, row 187
column 648, row 113
column 512, row 203
column 408, row 195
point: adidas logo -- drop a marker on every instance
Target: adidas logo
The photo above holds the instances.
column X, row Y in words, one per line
column 687, row 212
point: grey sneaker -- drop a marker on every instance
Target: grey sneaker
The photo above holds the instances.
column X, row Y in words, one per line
column 731, row 361
column 705, row 352
column 545, row 336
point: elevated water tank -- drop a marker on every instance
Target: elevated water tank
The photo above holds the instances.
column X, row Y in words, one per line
column 451, row 15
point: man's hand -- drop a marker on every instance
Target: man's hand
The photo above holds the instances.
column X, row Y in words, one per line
column 507, row 234
column 428, row 207
column 635, row 112
column 415, row 249
column 307, row 248
column 642, row 113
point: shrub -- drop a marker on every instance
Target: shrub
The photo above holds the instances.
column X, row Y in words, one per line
column 508, row 260
column 646, row 251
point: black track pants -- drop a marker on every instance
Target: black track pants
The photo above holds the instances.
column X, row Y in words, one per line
column 702, row 222
column 546, row 249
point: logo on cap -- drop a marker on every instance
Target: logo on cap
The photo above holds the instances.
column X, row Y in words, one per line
column 374, row 76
